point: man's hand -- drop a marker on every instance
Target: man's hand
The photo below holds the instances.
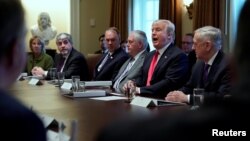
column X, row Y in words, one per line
column 37, row 71
column 177, row 96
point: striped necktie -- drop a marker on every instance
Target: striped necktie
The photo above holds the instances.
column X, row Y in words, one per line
column 123, row 75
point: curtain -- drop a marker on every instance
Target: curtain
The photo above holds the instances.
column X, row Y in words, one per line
column 172, row 10
column 209, row 12
column 119, row 14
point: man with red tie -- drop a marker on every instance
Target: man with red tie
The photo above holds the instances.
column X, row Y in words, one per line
column 164, row 69
column 211, row 72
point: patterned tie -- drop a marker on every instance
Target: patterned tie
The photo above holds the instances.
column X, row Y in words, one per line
column 122, row 76
column 152, row 67
column 205, row 74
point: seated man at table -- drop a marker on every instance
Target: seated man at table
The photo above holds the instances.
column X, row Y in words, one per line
column 16, row 120
column 111, row 61
column 69, row 61
column 164, row 69
column 228, row 117
column 137, row 44
column 212, row 70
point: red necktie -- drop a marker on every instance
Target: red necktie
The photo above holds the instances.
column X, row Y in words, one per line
column 152, row 67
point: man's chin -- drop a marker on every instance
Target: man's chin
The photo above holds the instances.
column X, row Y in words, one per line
column 64, row 53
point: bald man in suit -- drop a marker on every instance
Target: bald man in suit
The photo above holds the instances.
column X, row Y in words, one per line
column 110, row 63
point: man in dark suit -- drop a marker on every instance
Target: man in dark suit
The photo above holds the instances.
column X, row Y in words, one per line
column 137, row 44
column 164, row 69
column 229, row 117
column 17, row 121
column 69, row 61
column 110, row 63
column 216, row 81
column 186, row 46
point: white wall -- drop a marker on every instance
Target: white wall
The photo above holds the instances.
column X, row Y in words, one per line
column 59, row 11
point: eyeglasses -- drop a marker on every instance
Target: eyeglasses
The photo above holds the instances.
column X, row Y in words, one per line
column 189, row 43
column 65, row 42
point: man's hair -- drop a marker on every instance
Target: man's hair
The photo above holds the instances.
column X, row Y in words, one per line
column 101, row 36
column 212, row 33
column 170, row 27
column 141, row 36
column 67, row 36
column 11, row 25
column 190, row 34
column 114, row 29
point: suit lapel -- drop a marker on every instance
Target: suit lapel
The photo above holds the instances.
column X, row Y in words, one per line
column 122, row 69
column 162, row 60
column 214, row 68
column 68, row 59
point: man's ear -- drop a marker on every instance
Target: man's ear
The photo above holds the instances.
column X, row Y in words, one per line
column 11, row 53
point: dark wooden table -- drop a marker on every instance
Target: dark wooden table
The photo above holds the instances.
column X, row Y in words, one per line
column 91, row 115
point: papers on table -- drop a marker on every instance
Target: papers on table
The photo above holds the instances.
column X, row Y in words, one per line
column 97, row 83
column 109, row 98
column 146, row 102
column 89, row 93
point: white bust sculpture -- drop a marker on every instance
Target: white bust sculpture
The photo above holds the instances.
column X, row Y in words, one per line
column 43, row 28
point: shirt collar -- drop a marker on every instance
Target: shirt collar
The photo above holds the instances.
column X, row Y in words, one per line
column 162, row 50
column 211, row 60
column 139, row 54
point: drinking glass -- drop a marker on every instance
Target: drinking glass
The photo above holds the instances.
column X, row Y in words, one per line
column 52, row 73
column 198, row 95
column 60, row 76
column 75, row 83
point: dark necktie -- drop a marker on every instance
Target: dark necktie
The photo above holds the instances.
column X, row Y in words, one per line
column 205, row 74
column 152, row 67
column 60, row 64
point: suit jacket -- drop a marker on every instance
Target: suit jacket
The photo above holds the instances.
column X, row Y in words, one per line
column 76, row 64
column 112, row 65
column 17, row 122
column 170, row 73
column 133, row 73
column 218, row 82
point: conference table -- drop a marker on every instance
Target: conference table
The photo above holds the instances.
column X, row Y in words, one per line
column 90, row 115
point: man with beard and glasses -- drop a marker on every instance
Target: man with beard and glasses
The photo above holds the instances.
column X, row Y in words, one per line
column 69, row 60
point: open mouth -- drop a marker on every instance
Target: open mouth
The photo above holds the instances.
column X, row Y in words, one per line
column 154, row 39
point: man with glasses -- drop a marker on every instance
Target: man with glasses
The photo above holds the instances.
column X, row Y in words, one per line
column 187, row 43
column 186, row 46
column 69, row 60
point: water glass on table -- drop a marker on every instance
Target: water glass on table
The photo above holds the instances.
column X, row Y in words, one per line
column 60, row 76
column 198, row 96
column 75, row 83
